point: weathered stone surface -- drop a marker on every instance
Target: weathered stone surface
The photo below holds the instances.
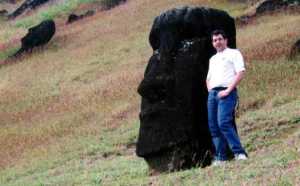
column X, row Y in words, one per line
column 28, row 4
column 73, row 17
column 174, row 131
column 37, row 36
column 171, row 27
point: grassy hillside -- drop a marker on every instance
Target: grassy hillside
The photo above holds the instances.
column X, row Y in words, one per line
column 69, row 111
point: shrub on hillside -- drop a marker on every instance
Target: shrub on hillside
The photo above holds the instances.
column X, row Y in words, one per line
column 108, row 4
column 295, row 50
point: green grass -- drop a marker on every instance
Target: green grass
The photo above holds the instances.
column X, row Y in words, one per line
column 50, row 13
column 269, row 126
column 8, row 52
column 87, row 160
column 269, row 84
column 57, row 10
column 109, row 159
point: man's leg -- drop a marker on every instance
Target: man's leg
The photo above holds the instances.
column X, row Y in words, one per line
column 226, row 122
column 217, row 137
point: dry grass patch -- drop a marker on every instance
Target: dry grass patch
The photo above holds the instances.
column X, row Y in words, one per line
column 270, row 37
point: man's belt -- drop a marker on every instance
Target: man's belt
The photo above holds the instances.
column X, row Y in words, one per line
column 219, row 88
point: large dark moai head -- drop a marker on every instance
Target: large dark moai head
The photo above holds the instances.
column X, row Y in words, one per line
column 37, row 36
column 174, row 131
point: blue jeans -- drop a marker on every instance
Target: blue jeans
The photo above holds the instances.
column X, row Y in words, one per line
column 221, row 123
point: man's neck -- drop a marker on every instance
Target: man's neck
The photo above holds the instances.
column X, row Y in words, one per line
column 221, row 50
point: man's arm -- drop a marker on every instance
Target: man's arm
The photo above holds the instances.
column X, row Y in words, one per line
column 208, row 76
column 208, row 86
column 239, row 76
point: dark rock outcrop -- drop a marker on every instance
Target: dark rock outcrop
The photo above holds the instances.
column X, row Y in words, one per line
column 295, row 50
column 271, row 5
column 8, row 1
column 73, row 17
column 37, row 36
column 173, row 131
column 26, row 5
column 244, row 19
column 109, row 4
column 268, row 6
column 3, row 12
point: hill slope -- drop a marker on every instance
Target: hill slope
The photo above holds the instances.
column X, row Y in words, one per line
column 68, row 111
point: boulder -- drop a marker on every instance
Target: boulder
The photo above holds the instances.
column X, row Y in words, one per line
column 272, row 5
column 173, row 132
column 37, row 36
column 109, row 4
column 244, row 19
column 8, row 1
column 73, row 17
column 3, row 12
column 268, row 6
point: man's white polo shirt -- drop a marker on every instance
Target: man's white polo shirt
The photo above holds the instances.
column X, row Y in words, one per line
column 223, row 67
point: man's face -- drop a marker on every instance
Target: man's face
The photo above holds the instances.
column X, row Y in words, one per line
column 219, row 42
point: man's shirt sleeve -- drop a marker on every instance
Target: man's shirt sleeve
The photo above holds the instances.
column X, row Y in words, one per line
column 238, row 62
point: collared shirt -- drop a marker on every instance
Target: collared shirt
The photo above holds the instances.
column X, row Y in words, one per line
column 223, row 67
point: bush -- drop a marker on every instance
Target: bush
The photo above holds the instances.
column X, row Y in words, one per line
column 108, row 4
column 51, row 12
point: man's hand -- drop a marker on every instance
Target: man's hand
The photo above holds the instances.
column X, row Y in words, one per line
column 223, row 93
column 239, row 76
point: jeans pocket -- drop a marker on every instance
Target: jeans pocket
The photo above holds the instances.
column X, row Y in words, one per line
column 222, row 98
column 231, row 96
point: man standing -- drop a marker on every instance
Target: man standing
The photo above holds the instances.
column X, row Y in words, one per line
column 226, row 70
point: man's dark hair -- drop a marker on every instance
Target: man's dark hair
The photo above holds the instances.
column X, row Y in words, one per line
column 219, row 32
